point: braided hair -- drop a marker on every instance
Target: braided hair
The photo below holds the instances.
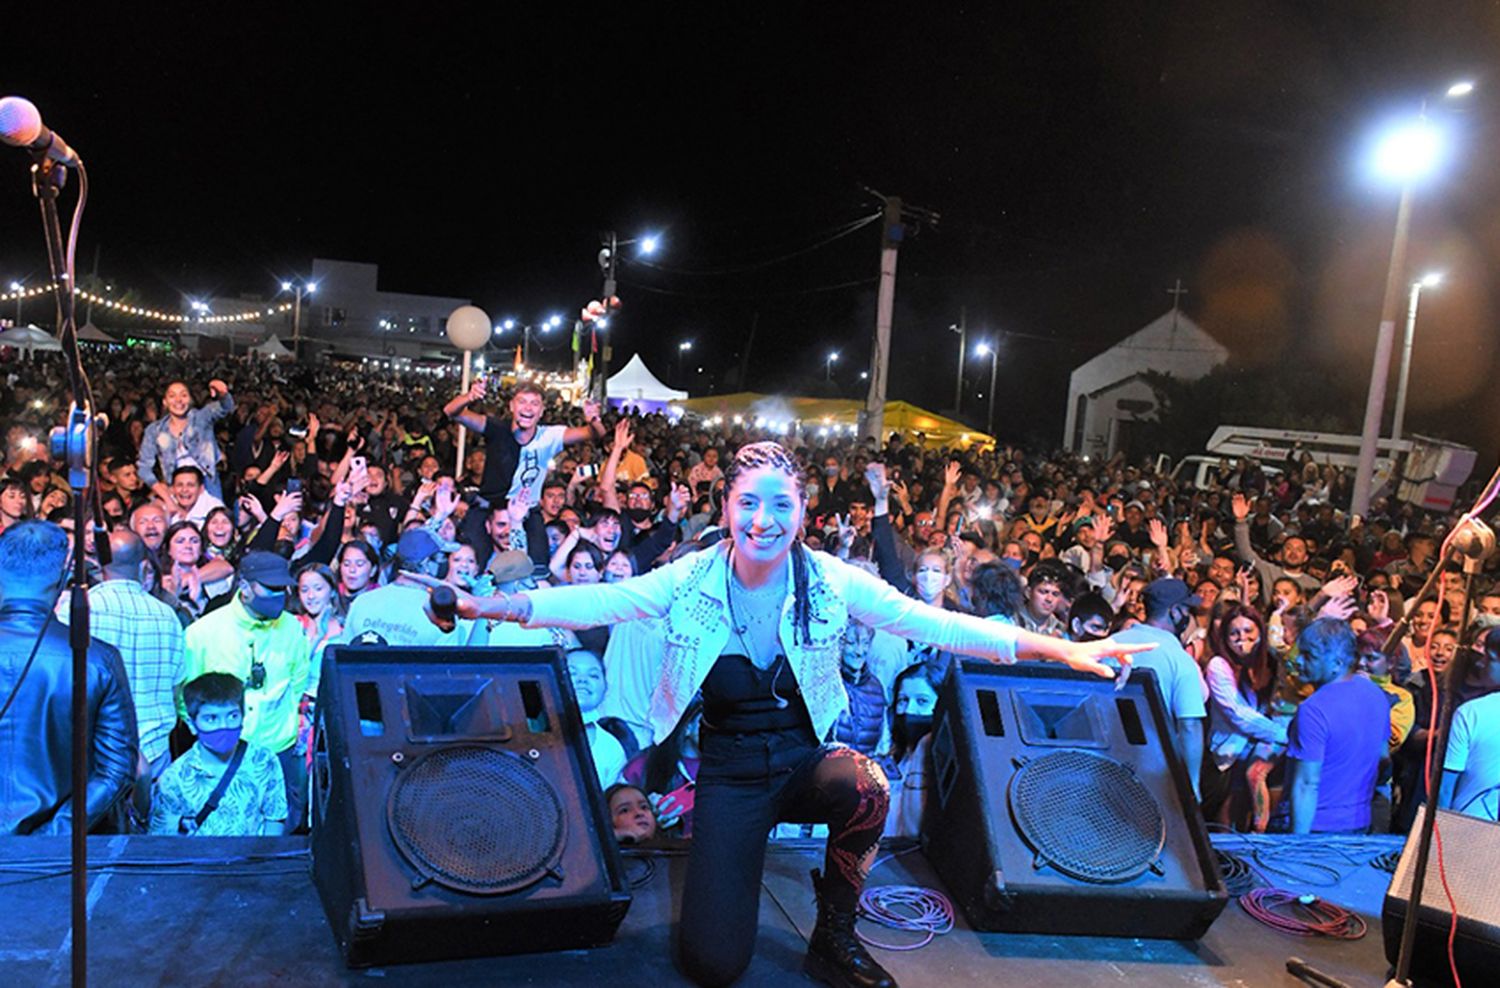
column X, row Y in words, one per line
column 774, row 456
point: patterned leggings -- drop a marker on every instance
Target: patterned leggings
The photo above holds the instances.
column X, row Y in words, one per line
column 746, row 784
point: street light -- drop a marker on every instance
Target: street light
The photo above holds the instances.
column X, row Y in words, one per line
column 18, row 288
column 1407, row 154
column 833, row 356
column 609, row 262
column 682, row 348
column 299, row 288
column 1430, row 280
column 993, row 352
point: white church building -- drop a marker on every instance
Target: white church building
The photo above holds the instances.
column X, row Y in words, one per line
column 1109, row 393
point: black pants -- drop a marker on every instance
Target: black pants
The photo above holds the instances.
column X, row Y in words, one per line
column 746, row 784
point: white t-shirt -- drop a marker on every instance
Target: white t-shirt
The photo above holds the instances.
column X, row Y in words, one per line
column 531, row 465
column 1474, row 751
column 609, row 755
column 1181, row 683
column 395, row 615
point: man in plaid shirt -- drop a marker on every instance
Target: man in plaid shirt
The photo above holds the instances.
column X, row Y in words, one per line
column 149, row 638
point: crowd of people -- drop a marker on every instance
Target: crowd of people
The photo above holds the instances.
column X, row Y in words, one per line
column 251, row 514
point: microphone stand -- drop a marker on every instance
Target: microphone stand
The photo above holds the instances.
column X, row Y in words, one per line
column 1480, row 542
column 1471, row 543
column 74, row 442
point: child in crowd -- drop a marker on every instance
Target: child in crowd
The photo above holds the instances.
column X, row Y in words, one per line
column 221, row 786
column 630, row 814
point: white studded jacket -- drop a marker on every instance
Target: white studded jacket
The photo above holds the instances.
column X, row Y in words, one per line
column 691, row 594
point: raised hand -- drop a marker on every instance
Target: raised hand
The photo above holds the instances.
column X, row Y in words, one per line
column 217, row 388
column 1341, row 586
column 251, row 506
column 677, row 503
column 1338, row 608
column 1104, row 527
column 951, row 473
column 590, row 410
column 477, row 390
column 1379, row 606
column 1158, row 533
column 342, row 492
column 518, row 507
column 1240, row 506
column 624, row 435
column 445, row 502
column 286, row 504
column 876, row 478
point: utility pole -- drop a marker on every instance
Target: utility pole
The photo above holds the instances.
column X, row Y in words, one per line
column 962, row 329
column 894, row 229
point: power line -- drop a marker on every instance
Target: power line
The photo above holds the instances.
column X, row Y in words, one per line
column 836, row 234
column 721, row 297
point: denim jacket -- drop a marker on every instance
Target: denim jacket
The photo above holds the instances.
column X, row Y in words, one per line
column 691, row 594
column 196, row 445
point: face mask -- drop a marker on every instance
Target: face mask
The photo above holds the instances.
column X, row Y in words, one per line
column 929, row 585
column 1117, row 562
column 638, row 515
column 267, row 608
column 221, row 741
column 911, row 728
column 831, row 471
column 1487, row 620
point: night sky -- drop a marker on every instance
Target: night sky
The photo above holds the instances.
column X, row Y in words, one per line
column 1082, row 157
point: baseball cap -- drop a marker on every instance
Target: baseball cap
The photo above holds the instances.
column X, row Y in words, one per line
column 266, row 568
column 1168, row 592
column 416, row 544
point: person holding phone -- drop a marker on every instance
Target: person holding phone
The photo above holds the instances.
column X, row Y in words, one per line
column 754, row 624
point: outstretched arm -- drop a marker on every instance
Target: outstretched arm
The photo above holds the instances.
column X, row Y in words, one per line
column 594, row 430
column 458, row 408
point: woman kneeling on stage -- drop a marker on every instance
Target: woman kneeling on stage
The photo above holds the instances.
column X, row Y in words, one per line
column 755, row 623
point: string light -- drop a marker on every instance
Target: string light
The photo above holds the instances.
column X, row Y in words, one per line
column 159, row 315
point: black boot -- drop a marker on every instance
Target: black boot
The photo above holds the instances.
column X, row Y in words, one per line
column 835, row 955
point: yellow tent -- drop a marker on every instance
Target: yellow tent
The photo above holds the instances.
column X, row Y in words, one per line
column 812, row 415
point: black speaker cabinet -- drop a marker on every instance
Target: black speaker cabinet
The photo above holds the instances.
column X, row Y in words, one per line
column 456, row 809
column 1058, row 805
column 1471, row 858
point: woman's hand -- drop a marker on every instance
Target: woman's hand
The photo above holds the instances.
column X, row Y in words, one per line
column 467, row 605
column 1090, row 656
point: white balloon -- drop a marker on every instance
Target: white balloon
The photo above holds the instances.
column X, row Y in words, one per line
column 469, row 327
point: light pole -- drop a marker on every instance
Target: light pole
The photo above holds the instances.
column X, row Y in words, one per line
column 962, row 329
column 298, row 288
column 18, row 288
column 833, row 356
column 1407, row 154
column 609, row 258
column 993, row 352
column 1431, row 280
column 469, row 329
column 682, row 348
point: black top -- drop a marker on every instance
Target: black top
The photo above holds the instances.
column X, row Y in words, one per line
column 501, row 454
column 738, row 698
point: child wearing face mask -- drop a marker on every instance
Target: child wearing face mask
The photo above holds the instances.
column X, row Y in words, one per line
column 251, row 803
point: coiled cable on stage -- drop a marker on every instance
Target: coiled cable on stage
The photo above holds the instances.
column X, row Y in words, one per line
column 1302, row 915
column 906, row 907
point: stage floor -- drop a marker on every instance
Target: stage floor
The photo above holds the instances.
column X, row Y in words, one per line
column 156, row 920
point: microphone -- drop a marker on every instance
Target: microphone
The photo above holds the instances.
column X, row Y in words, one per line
column 21, row 126
column 444, row 607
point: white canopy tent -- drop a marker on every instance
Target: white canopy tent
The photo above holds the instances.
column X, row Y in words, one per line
column 271, row 348
column 635, row 383
column 89, row 333
column 28, row 339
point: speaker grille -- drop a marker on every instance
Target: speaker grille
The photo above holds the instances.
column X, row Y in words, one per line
column 477, row 820
column 1088, row 816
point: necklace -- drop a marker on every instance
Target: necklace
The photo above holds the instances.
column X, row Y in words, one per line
column 758, row 618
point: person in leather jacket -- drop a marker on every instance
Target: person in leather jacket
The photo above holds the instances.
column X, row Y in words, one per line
column 36, row 741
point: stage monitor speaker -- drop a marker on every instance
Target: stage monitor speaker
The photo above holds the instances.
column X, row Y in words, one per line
column 1471, row 859
column 1058, row 805
column 456, row 808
